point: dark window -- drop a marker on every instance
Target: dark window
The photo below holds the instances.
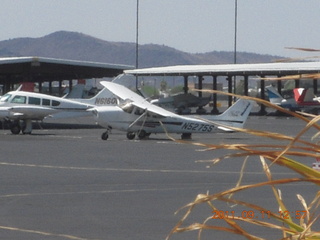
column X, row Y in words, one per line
column 46, row 102
column 138, row 111
column 34, row 101
column 55, row 103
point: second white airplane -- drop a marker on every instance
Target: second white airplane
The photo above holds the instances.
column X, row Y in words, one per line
column 19, row 108
column 136, row 116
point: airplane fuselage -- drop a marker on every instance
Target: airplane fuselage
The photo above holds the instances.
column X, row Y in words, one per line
column 23, row 106
column 116, row 118
column 136, row 115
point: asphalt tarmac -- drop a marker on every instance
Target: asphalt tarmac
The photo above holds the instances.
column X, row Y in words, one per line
column 69, row 184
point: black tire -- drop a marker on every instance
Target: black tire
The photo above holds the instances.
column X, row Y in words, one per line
column 131, row 135
column 142, row 134
column 104, row 136
column 15, row 129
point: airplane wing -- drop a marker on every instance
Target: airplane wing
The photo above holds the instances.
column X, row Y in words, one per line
column 122, row 91
column 136, row 100
column 25, row 112
column 147, row 106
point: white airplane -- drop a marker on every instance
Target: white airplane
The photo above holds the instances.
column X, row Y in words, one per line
column 19, row 108
column 136, row 115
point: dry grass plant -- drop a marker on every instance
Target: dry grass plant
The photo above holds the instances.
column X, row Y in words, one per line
column 280, row 154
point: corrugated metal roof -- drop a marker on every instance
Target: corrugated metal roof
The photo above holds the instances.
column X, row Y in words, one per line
column 19, row 69
column 13, row 60
column 231, row 69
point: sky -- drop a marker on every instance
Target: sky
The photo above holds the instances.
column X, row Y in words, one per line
column 194, row 26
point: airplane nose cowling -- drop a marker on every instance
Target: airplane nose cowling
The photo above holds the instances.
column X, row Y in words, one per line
column 5, row 113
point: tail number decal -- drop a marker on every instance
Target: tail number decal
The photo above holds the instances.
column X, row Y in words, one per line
column 105, row 101
column 197, row 127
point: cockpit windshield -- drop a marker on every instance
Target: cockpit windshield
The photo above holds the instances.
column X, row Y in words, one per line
column 5, row 97
column 128, row 107
column 19, row 99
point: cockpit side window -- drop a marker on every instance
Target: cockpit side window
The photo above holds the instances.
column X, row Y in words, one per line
column 45, row 102
column 5, row 97
column 34, row 101
column 55, row 103
column 19, row 99
column 138, row 111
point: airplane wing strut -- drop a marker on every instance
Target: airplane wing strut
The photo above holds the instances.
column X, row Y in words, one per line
column 135, row 121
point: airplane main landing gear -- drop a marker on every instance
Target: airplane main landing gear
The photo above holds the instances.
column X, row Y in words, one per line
column 26, row 126
column 142, row 134
column 131, row 135
column 15, row 128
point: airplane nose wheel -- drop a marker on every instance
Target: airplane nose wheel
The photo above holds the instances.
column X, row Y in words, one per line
column 15, row 127
column 105, row 135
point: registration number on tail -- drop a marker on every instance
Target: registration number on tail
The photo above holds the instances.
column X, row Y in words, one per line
column 200, row 127
column 105, row 101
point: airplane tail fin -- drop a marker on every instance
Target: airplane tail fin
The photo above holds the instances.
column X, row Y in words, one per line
column 26, row 87
column 235, row 116
column 274, row 95
column 76, row 92
column 102, row 98
column 302, row 95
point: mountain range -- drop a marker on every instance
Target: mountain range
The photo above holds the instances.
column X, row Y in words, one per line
column 79, row 46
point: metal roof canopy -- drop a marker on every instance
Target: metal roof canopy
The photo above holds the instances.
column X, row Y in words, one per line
column 230, row 70
column 35, row 69
column 261, row 69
